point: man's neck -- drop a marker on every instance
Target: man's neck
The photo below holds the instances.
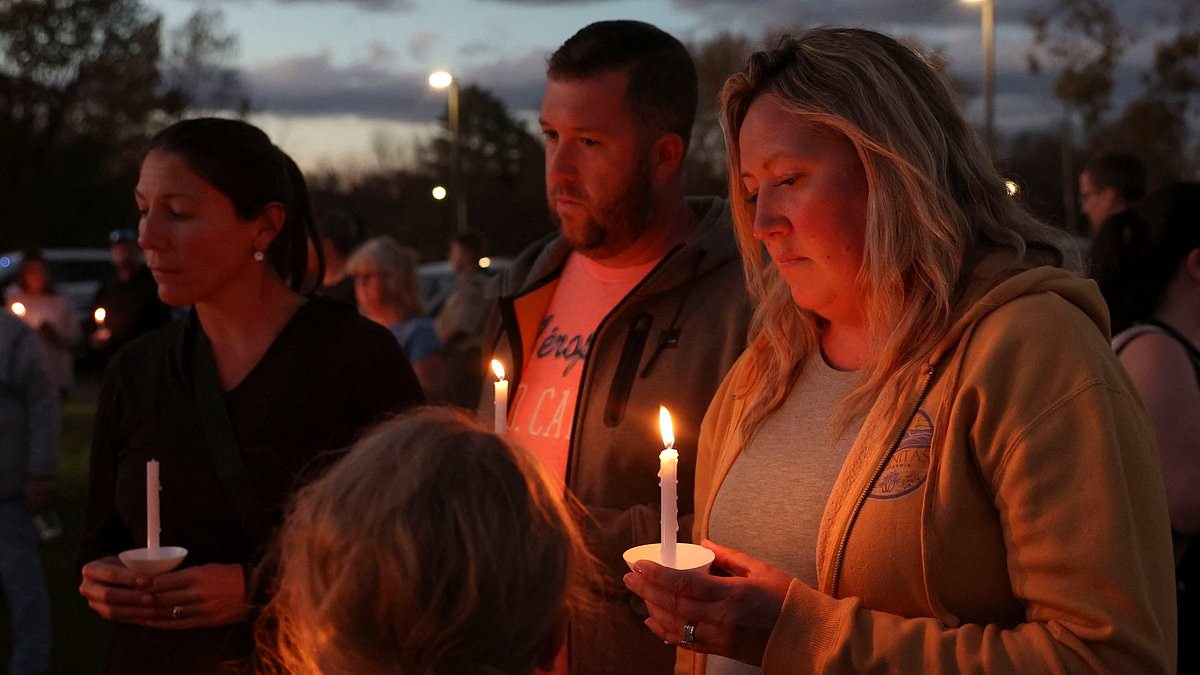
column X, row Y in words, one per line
column 335, row 271
column 671, row 226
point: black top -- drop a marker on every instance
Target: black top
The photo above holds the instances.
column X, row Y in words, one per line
column 342, row 291
column 328, row 376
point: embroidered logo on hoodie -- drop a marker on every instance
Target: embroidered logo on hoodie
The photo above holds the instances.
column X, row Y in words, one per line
column 909, row 466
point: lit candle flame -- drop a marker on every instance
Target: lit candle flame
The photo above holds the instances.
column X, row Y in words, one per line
column 665, row 426
column 18, row 308
column 498, row 369
column 100, row 314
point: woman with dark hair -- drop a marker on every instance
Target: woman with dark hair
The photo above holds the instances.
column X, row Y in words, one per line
column 928, row 459
column 240, row 403
column 1161, row 353
column 49, row 313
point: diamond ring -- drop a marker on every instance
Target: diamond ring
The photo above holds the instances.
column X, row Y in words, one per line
column 689, row 635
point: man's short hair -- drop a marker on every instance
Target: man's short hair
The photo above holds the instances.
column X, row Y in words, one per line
column 470, row 241
column 1122, row 172
column 342, row 230
column 662, row 90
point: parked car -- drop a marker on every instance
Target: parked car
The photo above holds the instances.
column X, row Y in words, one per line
column 77, row 273
column 436, row 279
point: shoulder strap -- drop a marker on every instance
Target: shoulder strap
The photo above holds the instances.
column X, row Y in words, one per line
column 1121, row 340
column 218, row 430
column 1192, row 352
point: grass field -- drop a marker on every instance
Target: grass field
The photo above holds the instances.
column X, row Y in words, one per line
column 80, row 638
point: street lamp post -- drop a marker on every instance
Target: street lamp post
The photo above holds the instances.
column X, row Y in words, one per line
column 988, row 20
column 444, row 80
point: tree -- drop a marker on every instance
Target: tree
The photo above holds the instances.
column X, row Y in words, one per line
column 502, row 171
column 78, row 82
column 1085, row 39
column 715, row 60
column 198, row 67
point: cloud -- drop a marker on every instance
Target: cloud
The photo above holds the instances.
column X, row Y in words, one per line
column 313, row 84
column 368, row 5
column 477, row 47
column 420, row 45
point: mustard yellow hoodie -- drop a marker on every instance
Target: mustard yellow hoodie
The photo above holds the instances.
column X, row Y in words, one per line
column 1015, row 520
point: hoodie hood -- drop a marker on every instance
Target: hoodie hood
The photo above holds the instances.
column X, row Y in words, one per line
column 990, row 296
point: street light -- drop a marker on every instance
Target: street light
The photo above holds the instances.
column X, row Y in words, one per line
column 987, row 16
column 443, row 80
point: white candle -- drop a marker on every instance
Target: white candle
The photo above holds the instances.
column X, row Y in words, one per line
column 668, row 464
column 501, row 398
column 152, row 517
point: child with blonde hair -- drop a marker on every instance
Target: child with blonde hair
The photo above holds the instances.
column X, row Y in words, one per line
column 432, row 547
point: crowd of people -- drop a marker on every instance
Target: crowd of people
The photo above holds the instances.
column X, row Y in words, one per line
column 906, row 430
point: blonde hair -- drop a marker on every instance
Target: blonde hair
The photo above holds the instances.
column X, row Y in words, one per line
column 396, row 265
column 432, row 547
column 935, row 207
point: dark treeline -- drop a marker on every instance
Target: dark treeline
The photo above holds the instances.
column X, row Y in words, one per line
column 83, row 83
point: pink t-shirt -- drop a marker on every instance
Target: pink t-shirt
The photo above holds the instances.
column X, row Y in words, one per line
column 543, row 406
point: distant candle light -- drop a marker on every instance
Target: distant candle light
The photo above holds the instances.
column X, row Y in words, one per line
column 18, row 308
column 501, row 398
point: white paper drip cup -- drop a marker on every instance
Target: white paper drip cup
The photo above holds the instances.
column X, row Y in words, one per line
column 688, row 557
column 153, row 561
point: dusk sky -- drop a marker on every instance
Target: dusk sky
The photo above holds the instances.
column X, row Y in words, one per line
column 327, row 78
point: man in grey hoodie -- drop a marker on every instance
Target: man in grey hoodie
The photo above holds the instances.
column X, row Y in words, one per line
column 637, row 301
column 29, row 435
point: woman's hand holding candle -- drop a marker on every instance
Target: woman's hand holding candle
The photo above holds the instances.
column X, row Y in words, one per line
column 116, row 592
column 199, row 597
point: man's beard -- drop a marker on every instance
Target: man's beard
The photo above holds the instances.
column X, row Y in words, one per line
column 616, row 224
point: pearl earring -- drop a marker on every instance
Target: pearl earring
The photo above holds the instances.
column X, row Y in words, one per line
column 258, row 256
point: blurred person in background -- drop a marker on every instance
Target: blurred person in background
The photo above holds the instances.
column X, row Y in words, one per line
column 460, row 319
column 388, row 293
column 254, row 393
column 29, row 438
column 340, row 233
column 129, row 297
column 1109, row 187
column 433, row 547
column 50, row 314
column 1161, row 353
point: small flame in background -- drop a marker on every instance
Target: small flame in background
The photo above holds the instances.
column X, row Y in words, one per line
column 498, row 369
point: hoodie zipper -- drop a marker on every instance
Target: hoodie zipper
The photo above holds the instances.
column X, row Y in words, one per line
column 581, row 401
column 866, row 491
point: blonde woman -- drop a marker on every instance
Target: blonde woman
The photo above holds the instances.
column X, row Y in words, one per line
column 928, row 460
column 389, row 293
column 433, row 547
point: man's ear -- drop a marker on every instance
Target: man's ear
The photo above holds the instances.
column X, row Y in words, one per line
column 268, row 225
column 1191, row 265
column 554, row 644
column 666, row 157
column 1108, row 197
